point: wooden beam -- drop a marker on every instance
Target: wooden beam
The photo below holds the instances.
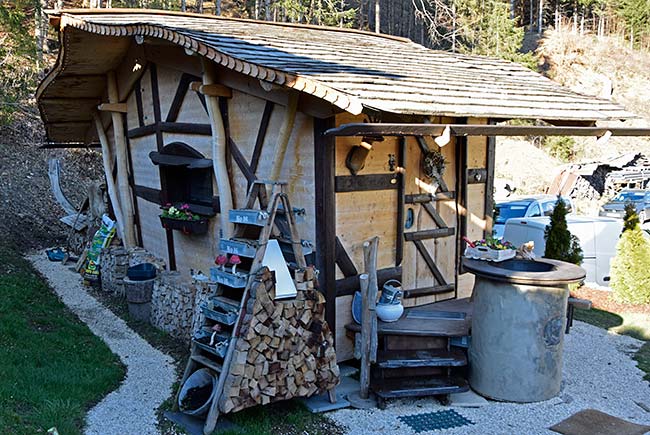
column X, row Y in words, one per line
column 170, row 127
column 261, row 135
column 429, row 234
column 428, row 291
column 399, row 242
column 347, row 286
column 434, row 215
column 360, row 129
column 429, row 261
column 489, row 185
column 113, row 107
column 179, row 97
column 239, row 158
column 419, row 198
column 148, row 194
column 361, row 183
column 123, row 188
column 324, row 170
column 344, row 261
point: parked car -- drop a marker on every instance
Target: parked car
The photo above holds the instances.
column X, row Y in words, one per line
column 616, row 206
column 598, row 237
column 529, row 206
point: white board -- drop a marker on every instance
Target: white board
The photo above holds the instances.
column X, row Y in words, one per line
column 274, row 260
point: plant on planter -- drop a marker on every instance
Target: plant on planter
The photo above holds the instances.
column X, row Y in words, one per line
column 221, row 260
column 181, row 218
column 181, row 213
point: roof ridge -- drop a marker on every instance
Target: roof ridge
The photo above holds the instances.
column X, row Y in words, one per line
column 136, row 11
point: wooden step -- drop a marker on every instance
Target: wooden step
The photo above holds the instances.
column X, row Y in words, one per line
column 418, row 387
column 421, row 358
column 246, row 216
column 207, row 362
column 422, row 323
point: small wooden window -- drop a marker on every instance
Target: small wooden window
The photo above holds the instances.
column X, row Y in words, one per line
column 186, row 177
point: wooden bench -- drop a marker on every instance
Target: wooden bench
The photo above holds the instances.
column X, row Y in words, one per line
column 574, row 303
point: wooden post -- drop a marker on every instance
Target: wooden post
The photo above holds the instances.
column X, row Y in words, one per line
column 219, row 152
column 364, row 378
column 122, row 169
column 107, row 159
column 283, row 137
column 370, row 249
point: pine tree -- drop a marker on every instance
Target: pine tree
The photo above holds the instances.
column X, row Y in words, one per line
column 630, row 269
column 560, row 243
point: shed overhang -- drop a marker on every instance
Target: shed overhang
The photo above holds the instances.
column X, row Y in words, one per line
column 340, row 67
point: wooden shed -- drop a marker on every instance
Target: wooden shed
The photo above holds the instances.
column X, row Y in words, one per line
column 191, row 108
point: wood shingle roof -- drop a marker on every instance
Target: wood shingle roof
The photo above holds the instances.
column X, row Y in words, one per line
column 355, row 70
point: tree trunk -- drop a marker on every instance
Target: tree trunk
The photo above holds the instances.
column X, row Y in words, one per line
column 199, row 6
column 540, row 18
column 217, row 7
column 183, row 5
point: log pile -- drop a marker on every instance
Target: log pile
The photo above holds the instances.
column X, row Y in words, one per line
column 172, row 305
column 115, row 260
column 285, row 349
column 114, row 263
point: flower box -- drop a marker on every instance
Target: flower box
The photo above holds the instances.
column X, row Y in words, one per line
column 489, row 254
column 198, row 227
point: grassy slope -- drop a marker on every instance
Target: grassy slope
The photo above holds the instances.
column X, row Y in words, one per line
column 52, row 368
column 637, row 326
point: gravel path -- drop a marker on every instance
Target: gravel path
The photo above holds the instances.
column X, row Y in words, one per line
column 131, row 409
column 598, row 373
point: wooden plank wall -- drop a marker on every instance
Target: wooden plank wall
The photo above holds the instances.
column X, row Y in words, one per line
column 476, row 220
column 244, row 117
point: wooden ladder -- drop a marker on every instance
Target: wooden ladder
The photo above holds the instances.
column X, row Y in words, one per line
column 254, row 227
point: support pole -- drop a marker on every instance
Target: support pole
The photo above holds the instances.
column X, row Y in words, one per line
column 107, row 159
column 219, row 154
column 283, row 137
column 124, row 190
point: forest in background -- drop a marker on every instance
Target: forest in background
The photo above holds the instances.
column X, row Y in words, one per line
column 486, row 27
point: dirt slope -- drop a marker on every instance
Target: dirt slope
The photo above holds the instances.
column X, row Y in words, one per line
column 29, row 215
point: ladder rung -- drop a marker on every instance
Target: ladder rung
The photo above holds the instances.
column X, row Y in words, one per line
column 242, row 247
column 246, row 216
column 205, row 361
column 226, row 278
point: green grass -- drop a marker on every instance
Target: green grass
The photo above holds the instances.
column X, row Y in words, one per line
column 289, row 417
column 52, row 368
column 634, row 325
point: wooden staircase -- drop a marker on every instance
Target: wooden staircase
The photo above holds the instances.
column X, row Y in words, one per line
column 415, row 357
column 214, row 343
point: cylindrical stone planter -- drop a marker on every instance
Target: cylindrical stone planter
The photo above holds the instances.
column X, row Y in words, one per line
column 138, row 298
column 518, row 319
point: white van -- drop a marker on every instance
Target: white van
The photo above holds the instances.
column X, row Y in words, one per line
column 598, row 237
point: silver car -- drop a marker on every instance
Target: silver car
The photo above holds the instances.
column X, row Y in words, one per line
column 616, row 206
column 527, row 206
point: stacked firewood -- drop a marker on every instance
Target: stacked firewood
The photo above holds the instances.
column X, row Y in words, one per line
column 172, row 304
column 285, row 348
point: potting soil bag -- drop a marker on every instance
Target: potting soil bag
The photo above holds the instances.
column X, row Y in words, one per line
column 101, row 239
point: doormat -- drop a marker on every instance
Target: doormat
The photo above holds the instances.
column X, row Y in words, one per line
column 592, row 422
column 434, row 420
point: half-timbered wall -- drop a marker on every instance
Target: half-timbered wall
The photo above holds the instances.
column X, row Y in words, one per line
column 162, row 109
